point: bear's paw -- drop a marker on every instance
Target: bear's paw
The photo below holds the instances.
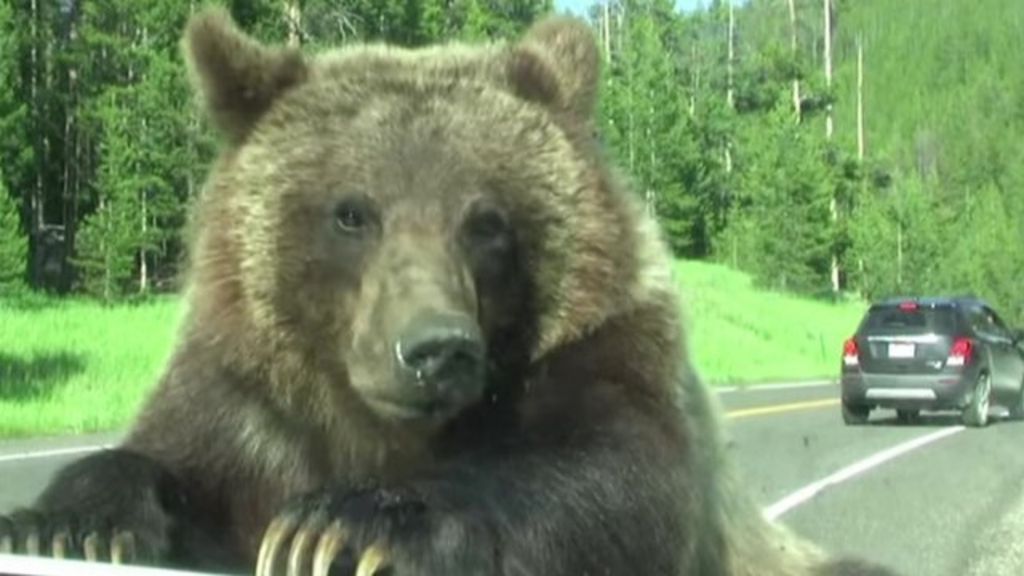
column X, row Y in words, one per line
column 394, row 532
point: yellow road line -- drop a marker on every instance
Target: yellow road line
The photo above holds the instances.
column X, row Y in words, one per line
column 773, row 409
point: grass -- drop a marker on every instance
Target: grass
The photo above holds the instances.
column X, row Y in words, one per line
column 72, row 366
column 742, row 335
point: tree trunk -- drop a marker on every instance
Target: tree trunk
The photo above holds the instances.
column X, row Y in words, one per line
column 143, row 268
column 729, row 91
column 293, row 19
column 729, row 69
column 143, row 197
column 35, row 197
column 860, row 100
column 193, row 136
column 72, row 155
column 833, row 202
column 828, row 65
column 104, row 223
column 630, row 119
column 797, row 108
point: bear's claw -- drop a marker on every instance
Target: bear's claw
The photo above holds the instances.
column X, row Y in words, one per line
column 311, row 545
column 60, row 545
column 122, row 548
column 34, row 534
column 373, row 562
column 6, row 535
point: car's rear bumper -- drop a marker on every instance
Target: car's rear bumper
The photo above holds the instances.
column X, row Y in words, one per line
column 941, row 391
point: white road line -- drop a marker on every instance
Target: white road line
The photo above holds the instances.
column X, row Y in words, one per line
column 50, row 453
column 811, row 490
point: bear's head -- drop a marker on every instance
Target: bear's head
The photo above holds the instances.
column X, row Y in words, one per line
column 408, row 230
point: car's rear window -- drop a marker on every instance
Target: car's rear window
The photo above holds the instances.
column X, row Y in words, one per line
column 925, row 319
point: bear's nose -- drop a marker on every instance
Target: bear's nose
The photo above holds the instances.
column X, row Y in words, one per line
column 441, row 347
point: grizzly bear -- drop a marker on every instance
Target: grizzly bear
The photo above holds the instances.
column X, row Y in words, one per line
column 430, row 331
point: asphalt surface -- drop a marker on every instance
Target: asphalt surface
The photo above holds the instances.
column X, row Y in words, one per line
column 951, row 507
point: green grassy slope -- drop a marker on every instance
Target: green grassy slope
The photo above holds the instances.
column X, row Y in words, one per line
column 74, row 366
column 739, row 334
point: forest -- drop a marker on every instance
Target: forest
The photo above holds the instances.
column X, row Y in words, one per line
column 830, row 148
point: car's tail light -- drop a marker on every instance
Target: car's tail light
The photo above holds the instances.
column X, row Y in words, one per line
column 908, row 306
column 960, row 353
column 851, row 352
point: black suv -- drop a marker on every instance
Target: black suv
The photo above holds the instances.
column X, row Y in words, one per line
column 932, row 354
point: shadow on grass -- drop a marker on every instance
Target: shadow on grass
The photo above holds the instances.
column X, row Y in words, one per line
column 26, row 379
column 29, row 301
column 41, row 301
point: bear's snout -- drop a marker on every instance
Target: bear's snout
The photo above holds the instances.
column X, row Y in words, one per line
column 441, row 357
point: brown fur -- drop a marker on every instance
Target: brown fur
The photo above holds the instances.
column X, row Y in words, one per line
column 594, row 447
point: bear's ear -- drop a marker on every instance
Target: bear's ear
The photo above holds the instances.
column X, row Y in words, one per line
column 557, row 64
column 237, row 78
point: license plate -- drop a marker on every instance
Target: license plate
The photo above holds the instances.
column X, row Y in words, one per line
column 901, row 350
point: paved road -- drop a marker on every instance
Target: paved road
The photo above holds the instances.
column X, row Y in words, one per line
column 951, row 506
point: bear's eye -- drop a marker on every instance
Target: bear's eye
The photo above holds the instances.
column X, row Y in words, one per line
column 487, row 225
column 352, row 215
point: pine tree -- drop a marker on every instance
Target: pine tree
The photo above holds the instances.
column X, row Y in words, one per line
column 15, row 152
column 111, row 237
column 786, row 190
column 13, row 244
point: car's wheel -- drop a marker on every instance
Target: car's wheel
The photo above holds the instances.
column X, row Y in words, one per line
column 855, row 414
column 907, row 415
column 976, row 413
column 1017, row 410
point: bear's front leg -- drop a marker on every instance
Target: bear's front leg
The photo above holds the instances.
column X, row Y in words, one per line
column 406, row 531
column 612, row 501
column 117, row 506
column 114, row 506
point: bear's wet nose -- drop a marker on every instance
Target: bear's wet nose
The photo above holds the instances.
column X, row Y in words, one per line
column 441, row 347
